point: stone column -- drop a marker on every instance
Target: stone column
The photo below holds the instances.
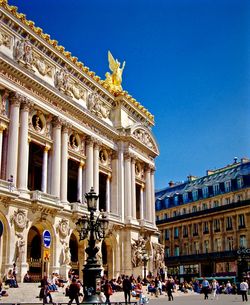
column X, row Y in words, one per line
column 153, row 194
column 89, row 164
column 114, row 184
column 142, row 202
column 121, row 200
column 56, row 158
column 127, row 184
column 64, row 164
column 79, row 182
column 2, row 128
column 133, row 189
column 96, row 169
column 23, row 155
column 11, row 169
column 148, row 194
column 45, row 168
column 108, row 192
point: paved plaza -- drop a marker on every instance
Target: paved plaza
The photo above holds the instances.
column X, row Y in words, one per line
column 28, row 293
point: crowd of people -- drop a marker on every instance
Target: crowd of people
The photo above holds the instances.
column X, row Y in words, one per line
column 131, row 286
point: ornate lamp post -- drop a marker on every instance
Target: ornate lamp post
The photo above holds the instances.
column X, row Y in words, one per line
column 94, row 229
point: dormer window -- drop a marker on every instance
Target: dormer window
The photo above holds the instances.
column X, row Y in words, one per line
column 239, row 183
column 185, row 197
column 216, row 188
column 205, row 192
column 195, row 195
column 228, row 186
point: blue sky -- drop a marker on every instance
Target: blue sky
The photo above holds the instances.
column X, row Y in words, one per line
column 187, row 62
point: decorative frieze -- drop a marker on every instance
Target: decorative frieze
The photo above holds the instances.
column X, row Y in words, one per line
column 97, row 107
column 5, row 39
column 43, row 67
column 23, row 53
column 144, row 137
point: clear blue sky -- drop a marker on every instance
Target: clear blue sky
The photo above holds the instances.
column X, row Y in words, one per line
column 187, row 62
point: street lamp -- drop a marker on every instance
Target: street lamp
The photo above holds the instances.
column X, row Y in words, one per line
column 94, row 229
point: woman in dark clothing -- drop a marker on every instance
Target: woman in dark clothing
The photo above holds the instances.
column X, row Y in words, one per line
column 169, row 288
column 74, row 290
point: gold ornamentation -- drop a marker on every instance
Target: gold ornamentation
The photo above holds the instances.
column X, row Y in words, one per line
column 114, row 80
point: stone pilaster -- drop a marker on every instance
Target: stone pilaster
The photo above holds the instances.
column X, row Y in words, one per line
column 114, row 184
column 133, row 188
column 96, row 168
column 23, row 162
column 56, row 158
column 153, row 194
column 108, row 193
column 2, row 128
column 11, row 170
column 142, row 202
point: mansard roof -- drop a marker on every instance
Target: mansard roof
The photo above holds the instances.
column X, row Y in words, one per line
column 229, row 173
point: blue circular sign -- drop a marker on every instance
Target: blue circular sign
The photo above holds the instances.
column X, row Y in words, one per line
column 46, row 238
column 1, row 228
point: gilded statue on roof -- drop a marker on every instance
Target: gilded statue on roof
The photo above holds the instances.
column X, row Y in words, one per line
column 114, row 80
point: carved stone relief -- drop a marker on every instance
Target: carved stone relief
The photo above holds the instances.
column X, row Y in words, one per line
column 38, row 121
column 143, row 137
column 63, row 228
column 19, row 219
column 5, row 39
column 97, row 107
column 103, row 157
column 23, row 52
column 138, row 248
column 158, row 256
column 42, row 65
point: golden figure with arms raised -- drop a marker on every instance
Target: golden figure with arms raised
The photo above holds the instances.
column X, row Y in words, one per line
column 114, row 80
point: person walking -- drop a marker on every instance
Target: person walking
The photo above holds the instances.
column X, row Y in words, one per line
column 205, row 288
column 107, row 290
column 74, row 289
column 170, row 288
column 127, row 288
column 244, row 290
column 215, row 288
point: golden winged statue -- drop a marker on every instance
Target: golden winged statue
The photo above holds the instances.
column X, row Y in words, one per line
column 114, row 80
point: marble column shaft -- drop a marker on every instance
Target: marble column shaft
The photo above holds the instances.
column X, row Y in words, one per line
column 89, row 165
column 13, row 138
column 127, row 191
column 141, row 202
column 23, row 162
column 133, row 190
column 64, row 165
column 45, row 169
column 153, row 195
column 96, row 170
column 148, row 195
column 108, row 193
column 56, row 159
column 79, row 182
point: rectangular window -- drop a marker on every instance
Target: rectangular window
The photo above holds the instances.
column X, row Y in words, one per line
column 217, row 244
column 230, row 243
column 174, row 213
column 176, row 232
column 243, row 241
column 216, row 203
column 204, row 206
column 206, row 246
column 240, row 183
column 185, row 197
column 194, row 209
column 227, row 200
column 176, row 251
column 185, row 231
column 195, row 229
column 166, row 234
column 229, row 223
column 176, row 199
column 228, row 186
column 216, row 188
column 195, row 195
column 241, row 221
column 167, row 252
column 184, row 211
column 206, row 227
column 216, row 225
column 205, row 192
column 196, row 247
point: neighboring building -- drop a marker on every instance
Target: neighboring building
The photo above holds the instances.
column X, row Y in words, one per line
column 205, row 223
column 62, row 131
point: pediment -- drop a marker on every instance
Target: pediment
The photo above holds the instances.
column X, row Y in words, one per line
column 144, row 136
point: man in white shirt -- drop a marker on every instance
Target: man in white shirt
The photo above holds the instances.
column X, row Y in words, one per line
column 244, row 290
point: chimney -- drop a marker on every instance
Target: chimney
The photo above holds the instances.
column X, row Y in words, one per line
column 171, row 183
column 191, row 178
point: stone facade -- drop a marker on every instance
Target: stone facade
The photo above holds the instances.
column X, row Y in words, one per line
column 204, row 223
column 63, row 131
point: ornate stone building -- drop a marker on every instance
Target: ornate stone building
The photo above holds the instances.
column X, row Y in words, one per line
column 204, row 223
column 62, row 131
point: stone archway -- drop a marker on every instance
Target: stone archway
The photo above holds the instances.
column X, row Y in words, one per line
column 110, row 257
column 74, row 260
column 34, row 253
column 4, row 235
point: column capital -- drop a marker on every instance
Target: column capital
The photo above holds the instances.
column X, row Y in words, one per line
column 97, row 143
column 89, row 140
column 3, row 126
column 127, row 156
column 57, row 122
column 114, row 155
column 66, row 126
column 47, row 147
column 26, row 105
column 16, row 98
column 149, row 168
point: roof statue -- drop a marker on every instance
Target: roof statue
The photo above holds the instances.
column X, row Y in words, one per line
column 114, row 80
